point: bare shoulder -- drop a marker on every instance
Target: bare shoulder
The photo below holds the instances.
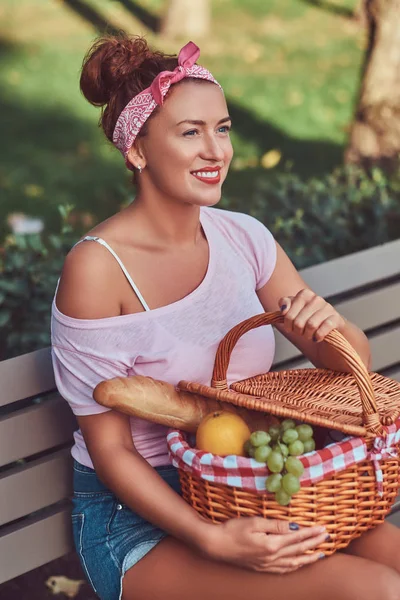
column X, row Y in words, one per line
column 87, row 283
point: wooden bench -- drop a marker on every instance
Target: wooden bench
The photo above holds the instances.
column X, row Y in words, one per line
column 36, row 425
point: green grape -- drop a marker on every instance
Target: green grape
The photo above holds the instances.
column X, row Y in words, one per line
column 282, row 497
column 252, row 451
column 296, row 448
column 275, row 462
column 273, row 483
column 290, row 484
column 305, row 432
column 274, row 431
column 288, row 424
column 282, row 448
column 260, row 438
column 247, row 447
column 295, row 466
column 261, row 453
column 309, row 446
column 289, row 436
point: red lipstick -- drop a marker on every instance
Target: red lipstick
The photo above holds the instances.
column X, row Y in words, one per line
column 210, row 175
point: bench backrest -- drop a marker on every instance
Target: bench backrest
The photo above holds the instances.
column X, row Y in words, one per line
column 36, row 425
column 36, row 428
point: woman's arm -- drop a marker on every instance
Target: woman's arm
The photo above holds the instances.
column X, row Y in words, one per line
column 124, row 471
column 308, row 317
column 90, row 289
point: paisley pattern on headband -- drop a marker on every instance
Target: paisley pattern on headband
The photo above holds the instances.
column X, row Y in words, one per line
column 139, row 109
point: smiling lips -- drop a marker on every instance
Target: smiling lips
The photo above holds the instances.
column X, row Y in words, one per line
column 210, row 175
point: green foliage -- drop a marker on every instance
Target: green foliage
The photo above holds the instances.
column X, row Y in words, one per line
column 320, row 219
column 314, row 220
column 29, row 269
column 290, row 70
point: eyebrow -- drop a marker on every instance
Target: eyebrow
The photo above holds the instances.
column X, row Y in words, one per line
column 199, row 122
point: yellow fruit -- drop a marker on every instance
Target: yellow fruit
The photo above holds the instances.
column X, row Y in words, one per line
column 222, row 433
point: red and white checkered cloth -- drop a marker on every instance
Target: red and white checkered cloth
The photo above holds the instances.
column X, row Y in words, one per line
column 250, row 475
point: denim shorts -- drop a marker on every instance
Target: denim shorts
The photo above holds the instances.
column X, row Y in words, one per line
column 109, row 537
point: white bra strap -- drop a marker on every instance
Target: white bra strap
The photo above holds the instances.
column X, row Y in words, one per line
column 133, row 285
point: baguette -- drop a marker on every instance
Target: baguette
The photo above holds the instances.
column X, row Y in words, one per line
column 159, row 402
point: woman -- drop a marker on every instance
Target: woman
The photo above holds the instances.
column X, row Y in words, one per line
column 152, row 291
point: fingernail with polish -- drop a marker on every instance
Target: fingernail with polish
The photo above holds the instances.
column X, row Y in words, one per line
column 284, row 307
column 322, row 555
column 328, row 538
column 314, row 338
column 293, row 526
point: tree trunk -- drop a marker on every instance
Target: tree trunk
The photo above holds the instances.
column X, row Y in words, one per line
column 360, row 12
column 375, row 135
column 187, row 18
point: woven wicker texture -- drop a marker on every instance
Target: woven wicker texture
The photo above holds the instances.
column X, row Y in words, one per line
column 346, row 504
column 357, row 403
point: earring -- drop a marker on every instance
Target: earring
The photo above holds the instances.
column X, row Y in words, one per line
column 139, row 168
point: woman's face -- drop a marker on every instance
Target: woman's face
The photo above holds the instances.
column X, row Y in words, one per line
column 187, row 150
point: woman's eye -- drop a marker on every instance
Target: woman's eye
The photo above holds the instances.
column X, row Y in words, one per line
column 190, row 133
column 224, row 129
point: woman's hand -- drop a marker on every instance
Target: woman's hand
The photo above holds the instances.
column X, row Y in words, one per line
column 310, row 315
column 265, row 545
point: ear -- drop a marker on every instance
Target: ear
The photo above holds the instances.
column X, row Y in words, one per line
column 136, row 156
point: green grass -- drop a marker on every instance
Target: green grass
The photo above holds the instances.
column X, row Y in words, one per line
column 290, row 70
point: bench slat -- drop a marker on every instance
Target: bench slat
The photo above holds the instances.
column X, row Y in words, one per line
column 385, row 349
column 347, row 273
column 395, row 374
column 394, row 518
column 361, row 311
column 373, row 309
column 35, row 429
column 26, row 489
column 25, row 376
column 35, row 542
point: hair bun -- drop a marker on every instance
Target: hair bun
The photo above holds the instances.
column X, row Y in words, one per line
column 110, row 62
column 116, row 69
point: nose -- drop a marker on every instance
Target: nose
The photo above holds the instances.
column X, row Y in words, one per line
column 213, row 148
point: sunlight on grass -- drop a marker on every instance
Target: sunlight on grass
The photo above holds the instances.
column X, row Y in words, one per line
column 290, row 72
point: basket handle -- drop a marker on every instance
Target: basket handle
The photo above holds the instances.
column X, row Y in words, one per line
column 334, row 338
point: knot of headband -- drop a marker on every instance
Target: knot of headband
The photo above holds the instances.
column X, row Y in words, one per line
column 139, row 109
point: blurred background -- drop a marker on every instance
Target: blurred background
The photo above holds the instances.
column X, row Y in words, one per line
column 313, row 87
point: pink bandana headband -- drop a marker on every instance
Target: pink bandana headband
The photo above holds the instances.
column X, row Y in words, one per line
column 139, row 109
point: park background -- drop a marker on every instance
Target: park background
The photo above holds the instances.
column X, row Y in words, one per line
column 293, row 72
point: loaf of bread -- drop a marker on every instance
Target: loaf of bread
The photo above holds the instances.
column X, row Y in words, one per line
column 160, row 402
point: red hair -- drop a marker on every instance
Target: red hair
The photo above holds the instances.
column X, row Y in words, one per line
column 118, row 68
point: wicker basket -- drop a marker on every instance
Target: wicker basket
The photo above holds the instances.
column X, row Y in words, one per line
column 356, row 403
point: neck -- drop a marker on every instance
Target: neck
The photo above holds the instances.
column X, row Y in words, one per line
column 165, row 222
